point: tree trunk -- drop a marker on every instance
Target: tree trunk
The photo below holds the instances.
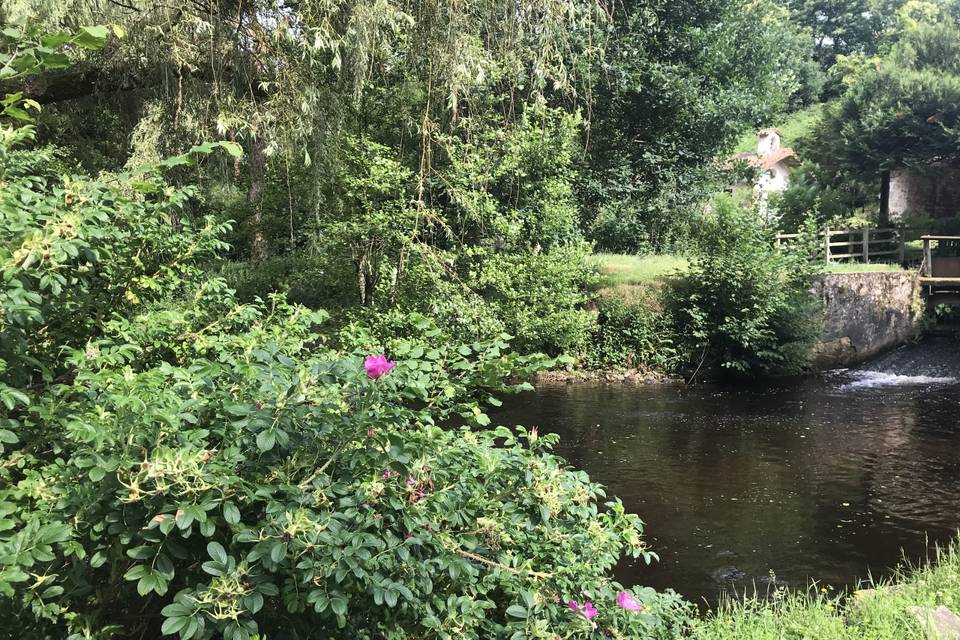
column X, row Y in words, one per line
column 884, row 197
column 258, row 242
column 366, row 279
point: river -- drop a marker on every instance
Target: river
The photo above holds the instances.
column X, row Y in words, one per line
column 828, row 478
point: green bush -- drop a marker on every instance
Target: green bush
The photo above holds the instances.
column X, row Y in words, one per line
column 539, row 297
column 746, row 307
column 632, row 335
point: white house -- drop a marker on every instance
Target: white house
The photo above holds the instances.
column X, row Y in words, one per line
column 774, row 162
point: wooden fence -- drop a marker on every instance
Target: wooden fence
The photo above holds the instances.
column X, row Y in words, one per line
column 864, row 244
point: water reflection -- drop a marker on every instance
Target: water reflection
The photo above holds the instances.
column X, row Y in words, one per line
column 818, row 480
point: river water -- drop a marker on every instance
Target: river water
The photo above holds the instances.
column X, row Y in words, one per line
column 828, row 478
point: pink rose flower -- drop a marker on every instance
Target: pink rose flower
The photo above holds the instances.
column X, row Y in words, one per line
column 378, row 366
column 587, row 610
column 628, row 602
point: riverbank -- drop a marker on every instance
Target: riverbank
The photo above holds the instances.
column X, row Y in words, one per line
column 604, row 376
column 916, row 603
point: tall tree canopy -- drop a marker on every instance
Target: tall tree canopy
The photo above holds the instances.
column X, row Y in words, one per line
column 845, row 27
column 680, row 82
column 293, row 81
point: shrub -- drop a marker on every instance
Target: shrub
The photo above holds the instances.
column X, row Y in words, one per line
column 539, row 297
column 254, row 488
column 632, row 335
column 746, row 307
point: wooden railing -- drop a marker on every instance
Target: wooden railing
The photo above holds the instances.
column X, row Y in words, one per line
column 865, row 243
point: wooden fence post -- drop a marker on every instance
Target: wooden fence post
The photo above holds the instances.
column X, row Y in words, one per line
column 927, row 258
column 866, row 245
column 826, row 243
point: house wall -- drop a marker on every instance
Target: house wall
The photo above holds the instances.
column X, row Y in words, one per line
column 768, row 143
column 780, row 177
column 776, row 178
column 936, row 193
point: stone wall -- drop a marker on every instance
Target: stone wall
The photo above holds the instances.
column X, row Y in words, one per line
column 865, row 314
column 934, row 193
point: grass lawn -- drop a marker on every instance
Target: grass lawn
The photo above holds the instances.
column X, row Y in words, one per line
column 620, row 269
column 884, row 612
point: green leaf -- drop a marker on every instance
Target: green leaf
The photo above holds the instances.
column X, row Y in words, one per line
column 216, row 551
column 253, row 602
column 266, row 440
column 91, row 37
column 517, row 611
column 230, row 513
column 173, row 625
column 338, row 604
column 232, row 148
column 319, row 600
column 146, row 584
column 18, row 113
column 141, row 553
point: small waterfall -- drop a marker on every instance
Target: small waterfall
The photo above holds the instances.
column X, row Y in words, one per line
column 932, row 361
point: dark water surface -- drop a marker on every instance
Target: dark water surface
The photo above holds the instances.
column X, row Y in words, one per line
column 822, row 479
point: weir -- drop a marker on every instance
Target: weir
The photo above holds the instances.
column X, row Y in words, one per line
column 866, row 314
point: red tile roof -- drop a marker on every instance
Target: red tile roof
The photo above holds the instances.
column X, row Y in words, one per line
column 787, row 155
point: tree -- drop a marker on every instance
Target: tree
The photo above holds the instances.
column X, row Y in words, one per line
column 903, row 111
column 845, row 27
column 296, row 81
column 680, row 82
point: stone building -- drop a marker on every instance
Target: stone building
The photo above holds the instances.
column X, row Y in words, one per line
column 773, row 163
column 932, row 193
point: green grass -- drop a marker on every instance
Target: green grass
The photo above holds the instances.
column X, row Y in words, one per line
column 792, row 128
column 859, row 267
column 620, row 269
column 882, row 614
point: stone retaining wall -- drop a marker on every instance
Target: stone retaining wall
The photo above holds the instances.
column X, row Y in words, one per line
column 865, row 314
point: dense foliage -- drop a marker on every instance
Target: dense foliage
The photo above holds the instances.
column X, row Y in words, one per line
column 385, row 142
column 176, row 462
column 746, row 306
column 845, row 27
column 294, row 442
column 896, row 109
column 638, row 335
column 902, row 111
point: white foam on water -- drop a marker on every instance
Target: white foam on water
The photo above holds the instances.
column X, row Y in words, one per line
column 871, row 379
